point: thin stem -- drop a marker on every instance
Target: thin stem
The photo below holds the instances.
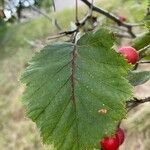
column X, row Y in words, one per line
column 122, row 35
column 76, row 13
column 55, row 20
column 135, row 102
column 144, row 62
column 64, row 33
column 143, row 50
column 112, row 17
column 41, row 12
column 56, row 36
column 54, row 7
column 38, row 10
column 91, row 9
column 136, row 66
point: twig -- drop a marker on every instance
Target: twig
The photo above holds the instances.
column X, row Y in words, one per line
column 61, row 34
column 148, row 10
column 38, row 10
column 122, row 35
column 76, row 13
column 143, row 50
column 137, row 24
column 136, row 66
column 64, row 33
column 41, row 12
column 135, row 102
column 55, row 20
column 68, row 32
column 117, row 28
column 91, row 9
column 144, row 61
column 120, row 32
column 56, row 36
column 112, row 17
column 81, row 23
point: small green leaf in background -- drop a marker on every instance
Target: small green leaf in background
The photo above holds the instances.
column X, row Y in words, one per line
column 147, row 54
column 138, row 77
column 69, row 87
column 141, row 41
column 147, row 21
column 147, row 17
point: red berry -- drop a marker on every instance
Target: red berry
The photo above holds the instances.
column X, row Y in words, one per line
column 130, row 54
column 110, row 143
column 120, row 134
column 122, row 18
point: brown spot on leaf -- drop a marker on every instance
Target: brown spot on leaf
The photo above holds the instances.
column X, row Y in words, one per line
column 103, row 110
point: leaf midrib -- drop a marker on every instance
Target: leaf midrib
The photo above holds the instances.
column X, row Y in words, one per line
column 73, row 70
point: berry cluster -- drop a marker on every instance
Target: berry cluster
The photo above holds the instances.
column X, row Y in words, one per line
column 113, row 142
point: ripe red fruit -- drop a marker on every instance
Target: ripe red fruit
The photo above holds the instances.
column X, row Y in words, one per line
column 120, row 134
column 130, row 54
column 110, row 143
column 122, row 18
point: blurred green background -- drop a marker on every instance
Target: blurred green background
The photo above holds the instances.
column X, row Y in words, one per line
column 18, row 43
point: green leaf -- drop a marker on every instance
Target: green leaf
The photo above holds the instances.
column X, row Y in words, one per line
column 138, row 77
column 147, row 20
column 146, row 54
column 76, row 94
column 142, row 41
